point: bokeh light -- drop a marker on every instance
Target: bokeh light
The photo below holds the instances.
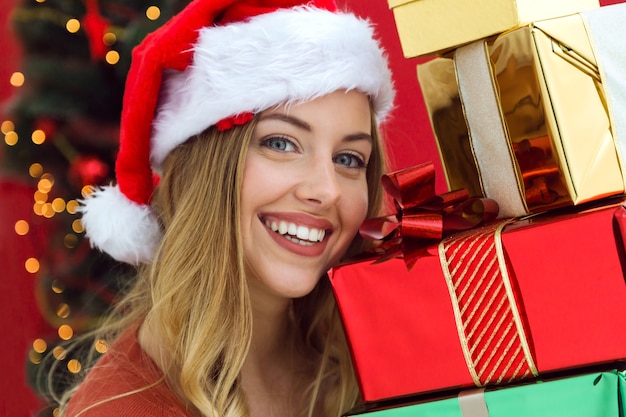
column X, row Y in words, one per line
column 63, row 310
column 38, row 137
column 31, row 265
column 35, row 170
column 72, row 206
column 153, row 13
column 65, row 332
column 112, row 57
column 11, row 138
column 101, row 345
column 74, row 366
column 17, row 79
column 109, row 38
column 21, row 227
column 7, row 126
column 40, row 345
column 72, row 25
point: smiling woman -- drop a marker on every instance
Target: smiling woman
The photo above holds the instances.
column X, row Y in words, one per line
column 310, row 168
column 268, row 165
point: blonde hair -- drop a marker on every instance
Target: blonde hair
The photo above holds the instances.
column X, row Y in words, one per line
column 201, row 309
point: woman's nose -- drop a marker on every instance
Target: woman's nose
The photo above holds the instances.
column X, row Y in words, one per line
column 320, row 184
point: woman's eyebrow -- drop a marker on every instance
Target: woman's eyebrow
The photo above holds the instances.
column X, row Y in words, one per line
column 288, row 119
column 358, row 136
column 305, row 126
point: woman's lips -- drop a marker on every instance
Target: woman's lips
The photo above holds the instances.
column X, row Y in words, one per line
column 300, row 234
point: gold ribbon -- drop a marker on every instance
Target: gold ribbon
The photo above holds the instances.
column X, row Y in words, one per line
column 486, row 128
column 490, row 327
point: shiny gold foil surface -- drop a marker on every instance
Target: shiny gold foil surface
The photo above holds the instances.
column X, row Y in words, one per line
column 552, row 109
column 437, row 80
column 430, row 27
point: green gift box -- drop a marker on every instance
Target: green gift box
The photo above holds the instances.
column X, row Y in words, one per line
column 598, row 394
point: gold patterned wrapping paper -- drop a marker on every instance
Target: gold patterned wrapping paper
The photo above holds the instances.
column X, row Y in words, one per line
column 522, row 118
column 429, row 27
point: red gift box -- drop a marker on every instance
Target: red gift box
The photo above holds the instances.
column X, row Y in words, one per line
column 494, row 305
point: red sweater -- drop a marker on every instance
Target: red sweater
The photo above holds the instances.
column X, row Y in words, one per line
column 123, row 369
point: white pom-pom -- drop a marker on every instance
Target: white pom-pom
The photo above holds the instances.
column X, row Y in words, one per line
column 127, row 231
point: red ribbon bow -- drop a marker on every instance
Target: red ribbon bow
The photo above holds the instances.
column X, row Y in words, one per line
column 422, row 217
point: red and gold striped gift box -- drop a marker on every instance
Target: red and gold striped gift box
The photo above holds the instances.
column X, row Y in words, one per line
column 492, row 306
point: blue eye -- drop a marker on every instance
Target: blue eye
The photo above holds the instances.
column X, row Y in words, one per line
column 350, row 160
column 278, row 143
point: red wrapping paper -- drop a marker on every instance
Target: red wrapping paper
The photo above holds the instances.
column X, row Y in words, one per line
column 569, row 289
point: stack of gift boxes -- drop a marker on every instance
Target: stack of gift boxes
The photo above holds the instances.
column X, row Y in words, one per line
column 524, row 315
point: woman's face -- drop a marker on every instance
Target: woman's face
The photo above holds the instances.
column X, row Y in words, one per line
column 304, row 191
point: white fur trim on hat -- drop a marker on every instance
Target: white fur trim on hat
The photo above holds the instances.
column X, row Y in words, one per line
column 290, row 55
column 132, row 235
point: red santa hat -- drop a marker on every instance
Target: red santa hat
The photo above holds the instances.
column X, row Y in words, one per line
column 217, row 63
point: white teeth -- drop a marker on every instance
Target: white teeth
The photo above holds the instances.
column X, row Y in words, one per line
column 299, row 242
column 302, row 233
column 296, row 233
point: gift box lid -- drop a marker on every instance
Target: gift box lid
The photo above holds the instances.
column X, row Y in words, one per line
column 429, row 27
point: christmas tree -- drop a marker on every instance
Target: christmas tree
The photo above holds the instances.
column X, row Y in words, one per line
column 61, row 136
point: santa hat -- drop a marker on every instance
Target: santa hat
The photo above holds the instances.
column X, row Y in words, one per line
column 218, row 62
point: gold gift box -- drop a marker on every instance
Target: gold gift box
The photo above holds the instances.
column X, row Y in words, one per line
column 522, row 118
column 429, row 27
